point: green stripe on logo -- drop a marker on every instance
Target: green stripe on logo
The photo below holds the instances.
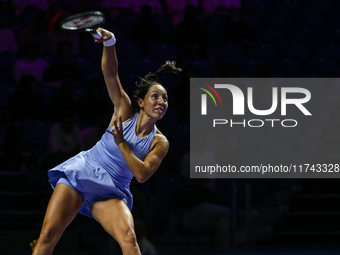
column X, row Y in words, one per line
column 209, row 94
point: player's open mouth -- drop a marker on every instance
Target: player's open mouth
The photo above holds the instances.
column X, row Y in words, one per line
column 160, row 109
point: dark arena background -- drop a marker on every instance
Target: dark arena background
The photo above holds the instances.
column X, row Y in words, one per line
column 52, row 90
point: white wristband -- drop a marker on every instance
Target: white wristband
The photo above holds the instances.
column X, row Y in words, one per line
column 110, row 42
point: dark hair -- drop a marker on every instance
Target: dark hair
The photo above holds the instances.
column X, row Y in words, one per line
column 151, row 79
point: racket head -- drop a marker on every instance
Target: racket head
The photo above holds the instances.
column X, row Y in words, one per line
column 82, row 21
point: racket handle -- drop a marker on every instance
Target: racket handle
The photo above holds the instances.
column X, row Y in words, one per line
column 95, row 33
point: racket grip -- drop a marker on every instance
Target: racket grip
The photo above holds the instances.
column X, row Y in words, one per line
column 95, row 33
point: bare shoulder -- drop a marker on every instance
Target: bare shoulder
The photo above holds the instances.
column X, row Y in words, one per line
column 159, row 135
column 160, row 140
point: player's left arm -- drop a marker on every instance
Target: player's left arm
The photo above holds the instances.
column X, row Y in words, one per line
column 142, row 170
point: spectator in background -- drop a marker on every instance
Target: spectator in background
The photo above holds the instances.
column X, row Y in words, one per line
column 65, row 137
column 85, row 6
column 20, row 5
column 57, row 35
column 155, row 6
column 36, row 33
column 146, row 30
column 64, row 102
column 88, row 108
column 114, row 7
column 7, row 13
column 190, row 36
column 237, row 30
column 8, row 42
column 53, row 10
column 219, row 6
column 26, row 103
column 190, row 195
column 197, row 211
column 63, row 69
column 30, row 63
column 92, row 103
column 143, row 218
column 92, row 134
column 64, row 140
column 176, row 9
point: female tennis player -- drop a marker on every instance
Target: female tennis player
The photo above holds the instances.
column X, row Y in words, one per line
column 96, row 182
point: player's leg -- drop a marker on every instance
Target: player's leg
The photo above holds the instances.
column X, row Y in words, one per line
column 116, row 218
column 64, row 205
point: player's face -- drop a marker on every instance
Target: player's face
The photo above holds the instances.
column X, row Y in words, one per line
column 155, row 102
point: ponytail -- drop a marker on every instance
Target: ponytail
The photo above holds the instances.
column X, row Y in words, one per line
column 153, row 78
column 168, row 67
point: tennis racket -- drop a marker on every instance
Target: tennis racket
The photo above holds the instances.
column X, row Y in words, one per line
column 84, row 22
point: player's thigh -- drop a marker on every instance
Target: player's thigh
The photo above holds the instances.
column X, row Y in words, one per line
column 64, row 205
column 115, row 217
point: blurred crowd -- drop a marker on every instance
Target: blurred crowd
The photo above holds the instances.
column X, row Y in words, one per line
column 53, row 98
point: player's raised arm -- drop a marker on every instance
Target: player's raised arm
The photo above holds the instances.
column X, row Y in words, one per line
column 109, row 67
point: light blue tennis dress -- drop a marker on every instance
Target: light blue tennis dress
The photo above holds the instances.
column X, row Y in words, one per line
column 102, row 171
